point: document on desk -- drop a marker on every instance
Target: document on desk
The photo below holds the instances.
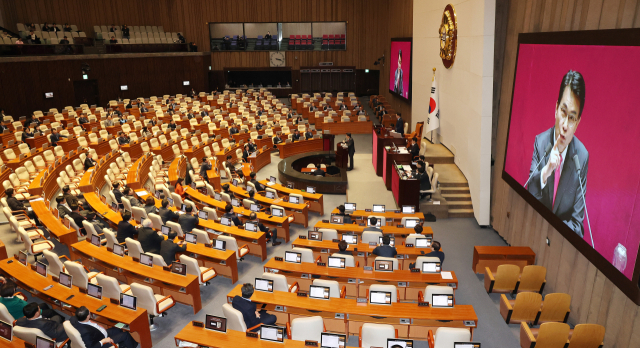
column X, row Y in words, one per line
column 403, row 150
column 142, row 193
column 270, row 183
column 37, row 199
column 446, row 275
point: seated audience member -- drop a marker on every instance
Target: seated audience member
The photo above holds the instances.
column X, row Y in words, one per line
column 425, row 181
column 296, row 135
column 15, row 305
column 77, row 218
column 125, row 31
column 63, row 208
column 187, row 221
column 227, row 189
column 89, row 162
column 255, row 182
column 14, row 204
column 230, row 165
column 64, row 41
column 308, row 135
column 130, row 195
column 123, row 139
column 33, row 39
column 113, row 29
column 270, row 233
column 55, row 137
column 268, row 35
column 67, row 27
column 149, row 238
column 125, row 229
column 385, row 249
column 116, row 192
column 276, row 140
column 94, row 335
column 342, row 248
column 373, row 221
column 228, row 213
column 168, row 248
column 249, row 310
column 167, row 214
column 19, row 41
column 33, row 319
column 347, row 217
column 436, row 246
column 150, row 206
column 83, row 119
column 113, row 40
column 414, row 148
column 179, row 188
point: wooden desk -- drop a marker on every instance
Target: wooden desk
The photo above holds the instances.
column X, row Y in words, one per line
column 261, row 159
column 138, row 320
column 315, row 200
column 69, row 144
column 391, row 156
column 231, row 339
column 139, row 172
column 3, row 251
column 134, row 149
column 494, row 256
column 37, row 141
column 388, row 214
column 90, row 183
column 299, row 211
column 164, row 150
column 422, row 319
column 392, row 231
column 297, row 147
column 17, row 162
column 405, row 191
column 379, row 142
column 357, row 281
column 184, row 289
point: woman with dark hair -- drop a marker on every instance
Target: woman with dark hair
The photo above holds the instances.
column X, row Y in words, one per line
column 180, row 188
column 150, row 206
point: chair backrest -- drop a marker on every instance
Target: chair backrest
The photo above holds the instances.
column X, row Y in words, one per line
column 192, row 266
column 158, row 260
column 110, row 237
column 385, row 287
column 231, row 244
column 74, row 335
column 333, row 285
column 306, row 254
column 422, row 259
column 438, row 290
column 554, row 308
column 328, row 233
column 445, row 337
column 235, row 320
column 5, row 315
column 175, row 227
column 526, row 306
column 279, row 281
column 135, row 248
column 587, row 336
column 307, row 328
column 553, row 335
column 110, row 286
column 532, row 278
column 370, row 236
column 80, row 277
column 138, row 213
column 349, row 260
column 392, row 259
column 506, row 277
column 145, row 298
column 156, row 220
column 28, row 334
column 202, row 236
column 373, row 334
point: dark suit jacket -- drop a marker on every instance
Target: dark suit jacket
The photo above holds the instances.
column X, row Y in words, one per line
column 77, row 218
column 400, row 126
column 415, row 150
column 308, row 135
column 425, row 181
column 15, row 204
column 570, row 204
column 55, row 138
column 438, row 254
column 48, row 327
column 385, row 251
column 248, row 310
column 168, row 250
column 71, row 199
column 89, row 334
column 167, row 215
column 149, row 240
column 187, row 222
column 125, row 230
column 118, row 195
column 258, row 185
column 295, row 137
column 88, row 163
column 62, row 210
column 351, row 145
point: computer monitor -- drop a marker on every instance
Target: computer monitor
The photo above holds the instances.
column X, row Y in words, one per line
column 392, row 241
column 378, row 208
column 128, row 301
column 220, row 244
column 337, row 219
column 290, row 256
column 442, row 300
column 41, row 269
column 399, row 343
column 157, row 194
column 183, row 208
column 331, row 340
column 383, row 265
column 319, row 292
column 22, row 257
column 114, row 206
column 179, row 268
column 225, row 221
column 350, row 238
column 380, row 297
column 146, row 259
column 277, row 212
column 215, row 323
column 314, row 235
column 249, row 189
column 431, row 267
column 336, row 262
column 290, row 185
column 311, row 189
column 94, row 291
column 422, row 242
column 234, row 182
column 42, row 342
column 270, row 195
column 272, row 333
column 165, row 230
column 217, row 196
column 265, row 285
column 350, row 207
column 65, row 279
column 235, row 202
column 95, row 240
column 6, row 331
column 272, row 179
column 466, row 344
column 251, row 226
column 411, row 223
column 254, row 208
column 203, row 215
column 378, row 223
column 118, row 249
column 190, row 238
column 170, row 200
column 408, row 209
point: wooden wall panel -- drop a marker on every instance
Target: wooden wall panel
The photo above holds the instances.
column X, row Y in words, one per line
column 595, row 299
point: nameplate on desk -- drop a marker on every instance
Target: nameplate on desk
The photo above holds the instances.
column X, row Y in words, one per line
column 135, row 259
column 336, row 240
column 302, row 294
column 361, row 300
column 252, row 334
column 368, row 268
column 311, row 343
column 82, row 291
column 415, row 270
column 469, row 322
column 280, row 308
column 367, row 210
column 278, row 258
column 303, row 237
column 408, row 245
column 166, row 268
column 55, row 279
column 361, row 224
column 197, row 323
column 322, row 264
column 114, row 300
column 324, row 251
column 405, row 321
column 403, row 284
column 423, row 304
column 325, row 221
column 400, row 226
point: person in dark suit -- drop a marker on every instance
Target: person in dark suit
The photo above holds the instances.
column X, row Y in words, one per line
column 414, row 148
column 268, row 36
column 4, row 126
column 397, row 84
column 187, row 221
column 276, row 140
column 373, row 221
column 308, row 135
column 63, row 208
column 269, row 233
column 252, row 317
column 83, row 119
column 69, row 197
column 204, row 168
column 55, row 137
column 88, row 163
column 130, row 195
column 245, row 153
column 77, row 218
column 149, row 239
column 130, row 105
column 115, row 41
column 228, row 213
column 347, row 217
column 436, row 252
column 255, row 182
column 233, row 130
column 172, row 125
column 125, row 229
column 342, row 248
column 204, row 113
column 95, row 336
column 33, row 39
column 168, row 248
column 399, row 124
column 27, row 133
column 554, row 177
column 51, row 327
column 117, row 193
column 64, row 41
column 385, row 249
column 348, row 141
column 296, row 135
column 167, row 214
column 125, row 31
column 143, row 108
column 123, row 139
column 425, row 181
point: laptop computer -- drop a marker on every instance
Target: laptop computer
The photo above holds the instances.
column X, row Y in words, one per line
column 431, row 267
column 442, row 300
column 254, row 208
column 422, row 242
column 42, row 342
column 272, row 333
column 408, row 209
column 146, row 259
column 65, row 279
column 94, row 291
column 265, row 285
column 311, row 189
column 95, row 240
column 294, row 200
column 203, row 215
column 350, row 238
column 190, row 238
column 215, row 323
column 41, row 269
column 383, row 265
column 220, row 244
column 466, row 344
column 337, row 219
column 399, row 343
column 225, row 221
column 411, row 223
column 277, row 212
column 290, row 256
column 378, row 208
column 179, row 268
column 6, row 331
column 332, row 340
column 270, row 195
column 314, row 235
column 128, row 301
column 250, row 226
column 319, row 292
column 349, row 207
column 380, row 297
column 336, row 262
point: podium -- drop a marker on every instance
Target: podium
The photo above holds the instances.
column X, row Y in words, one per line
column 382, row 138
column 392, row 156
column 342, row 156
column 406, row 191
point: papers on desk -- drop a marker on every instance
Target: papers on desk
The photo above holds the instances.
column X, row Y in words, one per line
column 180, row 212
column 253, row 155
column 142, row 193
column 446, row 275
column 37, row 199
column 187, row 344
column 395, row 134
column 270, row 183
column 403, row 150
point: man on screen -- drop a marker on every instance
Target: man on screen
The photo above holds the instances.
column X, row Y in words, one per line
column 397, row 86
column 554, row 176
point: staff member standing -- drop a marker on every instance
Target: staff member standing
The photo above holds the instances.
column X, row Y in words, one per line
column 348, row 141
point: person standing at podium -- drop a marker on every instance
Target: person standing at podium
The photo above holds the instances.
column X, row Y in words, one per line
column 399, row 124
column 348, row 142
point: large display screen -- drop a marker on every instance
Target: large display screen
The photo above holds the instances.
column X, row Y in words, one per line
column 400, row 67
column 573, row 144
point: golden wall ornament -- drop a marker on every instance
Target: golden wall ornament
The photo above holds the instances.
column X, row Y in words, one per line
column 448, row 33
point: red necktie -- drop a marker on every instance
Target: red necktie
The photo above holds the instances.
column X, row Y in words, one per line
column 556, row 180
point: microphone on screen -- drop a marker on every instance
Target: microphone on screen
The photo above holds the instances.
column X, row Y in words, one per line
column 576, row 161
column 546, row 152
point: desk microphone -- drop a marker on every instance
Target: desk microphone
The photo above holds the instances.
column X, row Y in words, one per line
column 546, row 152
column 576, row 160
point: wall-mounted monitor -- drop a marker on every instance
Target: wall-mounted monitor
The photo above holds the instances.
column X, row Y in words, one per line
column 185, row 83
column 124, row 88
column 400, row 67
column 48, row 95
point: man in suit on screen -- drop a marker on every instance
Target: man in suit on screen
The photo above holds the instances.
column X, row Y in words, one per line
column 554, row 176
column 397, row 85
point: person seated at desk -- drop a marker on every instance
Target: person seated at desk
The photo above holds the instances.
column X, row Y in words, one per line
column 436, row 246
column 168, row 248
column 245, row 153
column 289, row 115
column 33, row 319
column 205, row 167
column 150, row 206
column 259, row 125
column 78, row 218
column 327, row 107
column 233, row 130
column 149, row 239
column 16, row 205
column 342, row 107
column 252, row 145
column 312, row 108
column 64, row 41
column 385, row 250
column 270, row 234
column 130, row 105
column 204, row 113
column 89, row 162
column 342, row 248
column 361, row 112
column 61, row 205
column 425, row 181
column 258, row 185
column 229, row 164
column 414, row 148
column 116, row 192
column 130, row 195
column 83, row 119
column 172, row 125
column 95, row 336
column 167, row 214
column 299, row 120
column 109, row 121
column 187, row 221
column 55, row 137
column 190, row 115
column 125, row 31
column 114, row 41
column 15, row 305
column 125, row 229
column 296, row 135
column 123, row 139
column 28, row 133
column 143, row 108
column 67, row 27
column 276, row 140
column 308, row 135
column 373, row 221
column 252, row 317
column 229, row 214
column 179, row 188
column 347, row 217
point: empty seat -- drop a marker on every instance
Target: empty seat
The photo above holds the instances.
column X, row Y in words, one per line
column 372, row 335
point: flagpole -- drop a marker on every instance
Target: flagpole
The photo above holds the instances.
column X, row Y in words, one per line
column 432, row 79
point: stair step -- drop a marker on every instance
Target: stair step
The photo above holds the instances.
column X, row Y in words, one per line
column 453, row 184
column 461, row 213
column 457, row 197
column 447, row 190
column 460, row 205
